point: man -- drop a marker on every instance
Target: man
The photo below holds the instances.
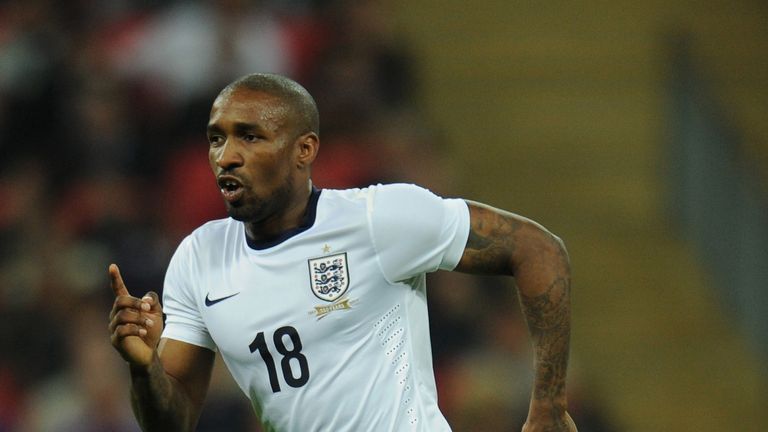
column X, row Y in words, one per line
column 316, row 298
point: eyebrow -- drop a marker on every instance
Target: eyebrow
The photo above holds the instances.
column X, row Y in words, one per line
column 239, row 127
column 212, row 128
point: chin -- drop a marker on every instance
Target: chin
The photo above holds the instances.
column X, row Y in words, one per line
column 245, row 212
column 239, row 215
column 238, row 212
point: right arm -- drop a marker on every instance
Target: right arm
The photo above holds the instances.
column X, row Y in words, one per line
column 169, row 378
column 168, row 393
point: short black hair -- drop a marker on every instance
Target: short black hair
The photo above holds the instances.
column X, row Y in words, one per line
column 298, row 99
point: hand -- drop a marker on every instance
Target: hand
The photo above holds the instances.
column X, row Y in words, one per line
column 550, row 423
column 135, row 324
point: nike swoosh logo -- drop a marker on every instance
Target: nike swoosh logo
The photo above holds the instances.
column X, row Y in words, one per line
column 209, row 302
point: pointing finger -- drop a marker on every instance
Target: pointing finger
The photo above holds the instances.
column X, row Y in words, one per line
column 118, row 286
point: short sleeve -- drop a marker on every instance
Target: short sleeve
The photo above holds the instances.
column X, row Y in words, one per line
column 183, row 321
column 415, row 231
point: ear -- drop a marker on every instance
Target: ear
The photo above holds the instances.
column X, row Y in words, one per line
column 308, row 146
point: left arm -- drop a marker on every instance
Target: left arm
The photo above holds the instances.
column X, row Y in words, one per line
column 504, row 243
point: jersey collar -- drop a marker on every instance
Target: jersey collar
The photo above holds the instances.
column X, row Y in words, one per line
column 306, row 223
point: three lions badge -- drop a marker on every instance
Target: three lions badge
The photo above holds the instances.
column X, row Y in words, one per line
column 329, row 276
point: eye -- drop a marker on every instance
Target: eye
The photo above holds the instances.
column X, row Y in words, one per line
column 252, row 137
column 215, row 140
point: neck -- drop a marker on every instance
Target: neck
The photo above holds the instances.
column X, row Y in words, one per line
column 291, row 217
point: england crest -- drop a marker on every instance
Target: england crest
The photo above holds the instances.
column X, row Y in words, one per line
column 329, row 276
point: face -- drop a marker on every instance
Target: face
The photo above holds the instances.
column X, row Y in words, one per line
column 254, row 154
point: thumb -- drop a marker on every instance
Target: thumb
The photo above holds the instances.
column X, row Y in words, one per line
column 118, row 286
column 154, row 301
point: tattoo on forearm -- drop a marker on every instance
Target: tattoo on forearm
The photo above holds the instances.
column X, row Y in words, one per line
column 503, row 243
column 157, row 401
column 548, row 317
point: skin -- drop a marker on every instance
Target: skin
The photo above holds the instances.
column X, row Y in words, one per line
column 504, row 243
column 254, row 139
column 166, row 394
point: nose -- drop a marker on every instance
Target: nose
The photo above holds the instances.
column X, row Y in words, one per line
column 228, row 156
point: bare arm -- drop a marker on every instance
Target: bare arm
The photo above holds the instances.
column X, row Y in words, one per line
column 169, row 378
column 504, row 243
column 168, row 394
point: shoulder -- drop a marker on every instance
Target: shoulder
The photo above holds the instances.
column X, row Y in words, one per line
column 210, row 232
column 405, row 207
column 354, row 194
column 203, row 245
column 393, row 197
column 373, row 192
column 401, row 197
column 213, row 227
column 343, row 195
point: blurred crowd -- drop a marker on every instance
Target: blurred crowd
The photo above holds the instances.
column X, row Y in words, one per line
column 103, row 107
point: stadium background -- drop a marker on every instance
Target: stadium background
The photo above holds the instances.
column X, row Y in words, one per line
column 635, row 131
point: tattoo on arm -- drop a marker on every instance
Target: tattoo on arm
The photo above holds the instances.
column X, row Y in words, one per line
column 163, row 402
column 548, row 318
column 156, row 401
column 490, row 243
column 504, row 243
column 477, row 241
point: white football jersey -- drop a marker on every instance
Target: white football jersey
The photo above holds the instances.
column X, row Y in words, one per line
column 325, row 329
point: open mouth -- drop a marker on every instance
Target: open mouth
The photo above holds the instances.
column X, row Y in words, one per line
column 231, row 188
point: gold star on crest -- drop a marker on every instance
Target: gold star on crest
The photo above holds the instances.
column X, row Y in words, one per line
column 326, row 249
